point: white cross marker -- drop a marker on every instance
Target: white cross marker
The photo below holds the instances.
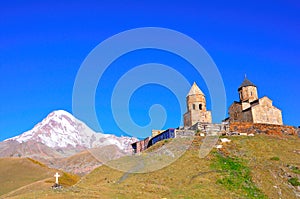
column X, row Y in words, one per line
column 56, row 177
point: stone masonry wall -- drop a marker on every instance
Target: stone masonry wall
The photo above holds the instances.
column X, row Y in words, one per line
column 248, row 93
column 265, row 112
column 184, row 133
column 236, row 114
column 196, row 100
column 255, row 128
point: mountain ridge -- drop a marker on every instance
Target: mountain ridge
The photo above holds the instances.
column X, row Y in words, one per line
column 61, row 129
column 60, row 136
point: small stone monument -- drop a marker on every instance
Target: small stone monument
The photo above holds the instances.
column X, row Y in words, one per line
column 56, row 184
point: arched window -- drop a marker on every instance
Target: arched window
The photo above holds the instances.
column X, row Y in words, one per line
column 200, row 106
column 194, row 106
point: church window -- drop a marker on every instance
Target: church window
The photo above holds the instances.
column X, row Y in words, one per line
column 194, row 106
column 200, row 106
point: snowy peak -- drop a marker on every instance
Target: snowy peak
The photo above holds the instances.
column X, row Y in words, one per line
column 60, row 129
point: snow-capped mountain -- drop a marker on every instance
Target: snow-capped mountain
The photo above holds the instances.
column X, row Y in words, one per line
column 61, row 141
column 60, row 129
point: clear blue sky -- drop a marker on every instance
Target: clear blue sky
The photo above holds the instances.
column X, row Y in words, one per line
column 42, row 45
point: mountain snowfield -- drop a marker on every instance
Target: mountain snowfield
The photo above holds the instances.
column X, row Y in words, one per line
column 60, row 129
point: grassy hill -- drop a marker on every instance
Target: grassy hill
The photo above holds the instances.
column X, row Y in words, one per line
column 80, row 163
column 247, row 167
column 19, row 174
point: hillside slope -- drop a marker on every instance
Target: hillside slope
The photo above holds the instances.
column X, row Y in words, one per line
column 19, row 173
column 247, row 167
column 80, row 163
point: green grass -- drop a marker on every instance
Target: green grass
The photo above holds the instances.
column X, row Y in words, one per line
column 236, row 176
column 294, row 181
column 295, row 169
column 275, row 158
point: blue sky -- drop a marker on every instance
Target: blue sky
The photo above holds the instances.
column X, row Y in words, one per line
column 42, row 45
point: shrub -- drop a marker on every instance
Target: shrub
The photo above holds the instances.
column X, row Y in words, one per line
column 295, row 169
column 294, row 182
column 37, row 162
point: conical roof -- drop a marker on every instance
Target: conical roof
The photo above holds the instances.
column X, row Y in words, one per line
column 195, row 90
column 246, row 83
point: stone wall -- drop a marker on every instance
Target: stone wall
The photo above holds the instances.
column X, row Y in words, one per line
column 187, row 119
column 255, row 128
column 193, row 102
column 199, row 116
column 260, row 111
column 210, row 128
column 194, row 116
column 184, row 133
column 265, row 112
column 236, row 113
column 248, row 93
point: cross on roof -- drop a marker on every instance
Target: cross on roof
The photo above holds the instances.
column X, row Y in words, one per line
column 56, row 177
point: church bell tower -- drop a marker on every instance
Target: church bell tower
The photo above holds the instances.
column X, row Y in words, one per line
column 196, row 108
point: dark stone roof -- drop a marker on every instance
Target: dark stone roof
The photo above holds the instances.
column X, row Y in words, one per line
column 247, row 109
column 246, row 83
column 227, row 118
column 255, row 101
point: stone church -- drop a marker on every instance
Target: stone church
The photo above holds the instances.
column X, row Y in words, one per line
column 252, row 109
column 196, row 108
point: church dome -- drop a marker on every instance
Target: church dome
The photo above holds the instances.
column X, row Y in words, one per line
column 246, row 83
